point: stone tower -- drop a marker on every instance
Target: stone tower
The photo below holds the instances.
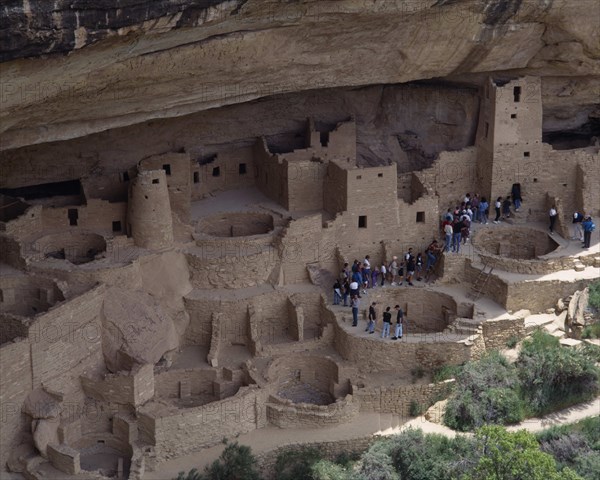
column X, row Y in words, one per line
column 509, row 135
column 149, row 219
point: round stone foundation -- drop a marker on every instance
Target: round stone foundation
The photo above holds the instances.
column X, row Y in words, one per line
column 229, row 225
column 76, row 248
column 521, row 243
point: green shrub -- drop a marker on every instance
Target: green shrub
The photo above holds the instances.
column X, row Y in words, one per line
column 296, row 464
column 591, row 331
column 417, row 373
column 326, row 470
column 446, row 372
column 415, row 409
column 376, row 465
column 553, row 377
column 485, row 394
column 594, row 299
column 512, row 341
column 235, row 463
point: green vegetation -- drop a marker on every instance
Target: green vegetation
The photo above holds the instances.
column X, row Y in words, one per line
column 512, row 341
column 296, row 464
column 416, row 409
column 591, row 331
column 446, row 372
column 594, row 300
column 545, row 378
column 235, row 463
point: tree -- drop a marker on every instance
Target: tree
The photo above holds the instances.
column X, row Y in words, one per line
column 507, row 455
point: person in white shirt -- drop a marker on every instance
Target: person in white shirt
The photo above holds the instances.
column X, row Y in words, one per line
column 383, row 271
column 552, row 214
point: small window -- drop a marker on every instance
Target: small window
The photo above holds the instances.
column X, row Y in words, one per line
column 513, row 115
column 362, row 221
column 101, row 442
column 196, row 177
column 564, row 184
column 517, row 94
column 216, row 172
column 535, row 180
column 1, row 295
column 125, row 176
column 116, row 226
column 526, row 154
column 380, row 175
column 420, row 217
column 487, row 129
column 167, row 168
column 73, row 215
column 358, row 177
column 242, row 169
column 155, row 181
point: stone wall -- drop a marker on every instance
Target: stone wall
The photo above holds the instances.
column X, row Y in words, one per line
column 129, row 388
column 398, row 399
column 28, row 295
column 25, row 225
column 496, row 332
column 287, row 414
column 198, row 381
column 96, row 215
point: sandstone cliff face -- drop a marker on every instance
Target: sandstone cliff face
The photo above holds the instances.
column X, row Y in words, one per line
column 172, row 58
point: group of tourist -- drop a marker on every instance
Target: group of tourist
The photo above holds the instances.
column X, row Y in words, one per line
column 387, row 322
column 583, row 226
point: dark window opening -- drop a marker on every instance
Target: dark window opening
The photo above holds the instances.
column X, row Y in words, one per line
column 266, row 177
column 358, row 177
column 125, row 176
column 155, row 181
column 45, row 190
column 517, row 94
column 116, row 226
column 564, row 184
column 362, row 221
column 380, row 175
column 535, row 180
column 101, row 441
column 487, row 129
column 242, row 169
column 167, row 168
column 513, row 115
column 1, row 295
column 324, row 137
column 420, row 217
column 196, row 177
column 73, row 215
column 525, row 154
column 216, row 172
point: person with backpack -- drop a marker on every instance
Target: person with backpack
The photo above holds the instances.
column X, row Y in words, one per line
column 387, row 322
column 588, row 227
column 372, row 318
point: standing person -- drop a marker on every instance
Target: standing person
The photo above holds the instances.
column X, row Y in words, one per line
column 552, row 214
column 367, row 270
column 346, row 292
column 337, row 292
column 399, row 323
column 466, row 230
column 588, row 228
column 516, row 195
column 456, row 233
column 506, row 207
column 419, row 265
column 353, row 290
column 410, row 267
column 394, row 269
column 383, row 270
column 372, row 319
column 345, row 273
column 355, row 302
column 484, row 210
column 475, row 207
column 374, row 277
column 357, row 276
column 387, row 321
column 497, row 207
column 448, row 230
column 577, row 226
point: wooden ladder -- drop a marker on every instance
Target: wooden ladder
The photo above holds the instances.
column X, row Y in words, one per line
column 481, row 281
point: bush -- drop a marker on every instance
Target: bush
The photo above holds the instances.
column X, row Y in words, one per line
column 296, row 464
column 512, row 342
column 326, row 470
column 446, row 372
column 415, row 409
column 376, row 465
column 553, row 377
column 594, row 299
column 485, row 394
column 591, row 331
column 235, row 463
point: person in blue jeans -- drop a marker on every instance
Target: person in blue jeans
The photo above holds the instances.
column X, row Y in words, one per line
column 387, row 321
column 456, row 236
column 484, row 210
column 372, row 318
column 399, row 323
column 337, row 292
column 448, row 230
column 355, row 302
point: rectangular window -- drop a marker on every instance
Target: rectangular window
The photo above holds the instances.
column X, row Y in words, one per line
column 242, row 169
column 487, row 129
column 216, row 172
column 380, row 175
column 125, row 176
column 513, row 115
column 420, row 217
column 358, row 177
column 155, row 181
column 196, row 177
column 167, row 168
column 73, row 215
column 362, row 221
column 116, row 226
column 525, row 154
column 517, row 94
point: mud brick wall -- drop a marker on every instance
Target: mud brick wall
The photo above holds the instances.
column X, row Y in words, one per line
column 27, row 224
column 588, row 179
column 286, row 414
column 135, row 387
column 301, row 243
column 97, row 215
column 200, row 381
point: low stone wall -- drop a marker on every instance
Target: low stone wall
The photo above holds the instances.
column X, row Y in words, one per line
column 329, row 450
column 64, row 458
column 287, row 414
column 135, row 387
column 497, row 332
column 398, row 399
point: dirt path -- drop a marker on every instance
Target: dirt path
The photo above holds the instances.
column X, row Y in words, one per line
column 270, row 438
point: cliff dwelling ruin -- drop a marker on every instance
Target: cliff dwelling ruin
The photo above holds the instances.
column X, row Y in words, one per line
column 168, row 252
